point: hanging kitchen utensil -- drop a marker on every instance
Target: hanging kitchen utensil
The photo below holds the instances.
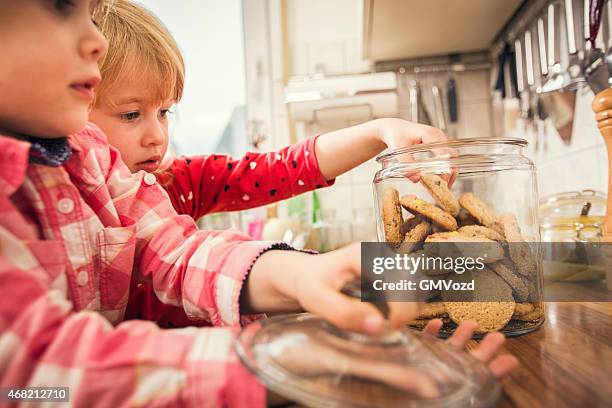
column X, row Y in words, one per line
column 307, row 360
column 596, row 66
column 573, row 77
column 438, row 108
column 453, row 108
column 532, row 98
column 520, row 79
column 418, row 112
column 554, row 80
column 506, row 83
column 506, row 78
column 538, row 106
column 558, row 104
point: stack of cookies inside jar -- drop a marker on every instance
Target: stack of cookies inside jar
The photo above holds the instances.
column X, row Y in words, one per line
column 508, row 288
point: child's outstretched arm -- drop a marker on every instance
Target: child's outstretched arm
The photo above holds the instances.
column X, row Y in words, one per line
column 342, row 150
column 200, row 185
column 205, row 184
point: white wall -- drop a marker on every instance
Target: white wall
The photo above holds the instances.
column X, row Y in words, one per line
column 209, row 34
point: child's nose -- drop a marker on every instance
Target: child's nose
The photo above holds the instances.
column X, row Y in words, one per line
column 94, row 45
column 154, row 136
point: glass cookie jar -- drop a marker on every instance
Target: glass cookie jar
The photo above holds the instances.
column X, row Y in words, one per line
column 479, row 192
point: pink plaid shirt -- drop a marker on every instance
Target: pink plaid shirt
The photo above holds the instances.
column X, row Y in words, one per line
column 71, row 238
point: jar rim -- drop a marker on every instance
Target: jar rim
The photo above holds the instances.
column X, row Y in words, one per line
column 474, row 141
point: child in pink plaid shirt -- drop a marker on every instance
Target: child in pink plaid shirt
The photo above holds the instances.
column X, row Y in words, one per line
column 76, row 226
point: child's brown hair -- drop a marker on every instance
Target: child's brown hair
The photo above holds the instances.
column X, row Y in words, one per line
column 140, row 46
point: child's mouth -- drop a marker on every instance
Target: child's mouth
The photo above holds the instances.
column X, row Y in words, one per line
column 148, row 165
column 85, row 89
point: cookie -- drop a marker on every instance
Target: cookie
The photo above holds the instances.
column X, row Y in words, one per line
column 417, row 206
column 465, row 218
column 480, row 231
column 490, row 315
column 438, row 188
column 535, row 314
column 522, row 309
column 416, row 235
column 504, row 270
column 392, row 216
column 477, row 209
column 473, row 247
column 519, row 250
column 432, row 310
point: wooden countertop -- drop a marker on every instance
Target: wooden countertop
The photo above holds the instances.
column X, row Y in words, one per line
column 567, row 362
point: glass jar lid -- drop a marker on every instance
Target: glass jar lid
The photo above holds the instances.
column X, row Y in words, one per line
column 306, row 359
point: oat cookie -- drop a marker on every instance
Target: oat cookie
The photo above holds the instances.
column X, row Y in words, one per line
column 432, row 310
column 535, row 314
column 392, row 215
column 478, row 209
column 416, row 235
column 522, row 309
column 438, row 188
column 417, row 206
column 480, row 231
column 474, row 247
column 505, row 270
column 519, row 250
column 490, row 315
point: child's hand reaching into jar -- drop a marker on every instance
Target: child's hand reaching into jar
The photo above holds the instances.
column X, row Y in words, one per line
column 367, row 140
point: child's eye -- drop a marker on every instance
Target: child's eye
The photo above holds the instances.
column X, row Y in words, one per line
column 163, row 113
column 130, row 116
column 63, row 5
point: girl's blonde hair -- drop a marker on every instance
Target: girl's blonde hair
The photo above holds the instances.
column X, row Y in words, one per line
column 141, row 48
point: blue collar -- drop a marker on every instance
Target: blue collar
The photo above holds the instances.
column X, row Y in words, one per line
column 49, row 152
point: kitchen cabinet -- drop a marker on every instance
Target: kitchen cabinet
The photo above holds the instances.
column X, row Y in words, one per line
column 400, row 29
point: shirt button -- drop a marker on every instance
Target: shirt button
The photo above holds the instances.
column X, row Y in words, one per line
column 82, row 278
column 149, row 179
column 65, row 205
